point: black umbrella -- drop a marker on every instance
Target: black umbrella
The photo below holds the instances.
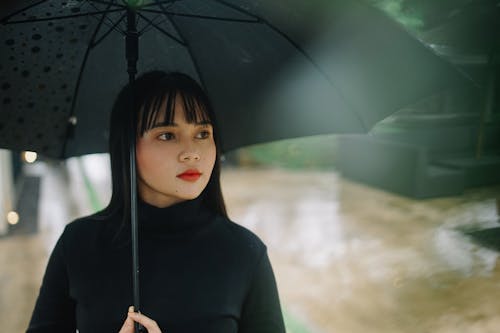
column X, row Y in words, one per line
column 273, row 69
column 335, row 67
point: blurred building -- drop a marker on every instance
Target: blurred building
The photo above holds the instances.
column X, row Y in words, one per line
column 7, row 194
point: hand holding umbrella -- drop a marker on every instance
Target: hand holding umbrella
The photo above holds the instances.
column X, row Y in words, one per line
column 134, row 317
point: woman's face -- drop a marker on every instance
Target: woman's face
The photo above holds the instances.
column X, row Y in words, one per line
column 174, row 163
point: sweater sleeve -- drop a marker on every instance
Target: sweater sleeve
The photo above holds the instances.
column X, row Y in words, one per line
column 261, row 310
column 54, row 309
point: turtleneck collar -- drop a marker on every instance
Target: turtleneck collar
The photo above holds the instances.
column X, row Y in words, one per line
column 180, row 217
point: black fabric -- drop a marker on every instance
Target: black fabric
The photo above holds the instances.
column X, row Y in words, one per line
column 198, row 273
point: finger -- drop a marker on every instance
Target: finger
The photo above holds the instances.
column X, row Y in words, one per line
column 128, row 325
column 149, row 323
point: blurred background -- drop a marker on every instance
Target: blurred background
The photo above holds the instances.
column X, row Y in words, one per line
column 396, row 230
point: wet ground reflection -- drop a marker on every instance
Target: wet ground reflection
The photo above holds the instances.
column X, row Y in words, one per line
column 354, row 259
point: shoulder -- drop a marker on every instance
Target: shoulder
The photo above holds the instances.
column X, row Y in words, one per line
column 240, row 239
column 81, row 225
column 84, row 231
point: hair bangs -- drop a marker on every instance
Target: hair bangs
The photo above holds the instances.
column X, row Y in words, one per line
column 159, row 110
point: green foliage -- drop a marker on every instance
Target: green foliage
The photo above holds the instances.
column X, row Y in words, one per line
column 315, row 152
column 293, row 325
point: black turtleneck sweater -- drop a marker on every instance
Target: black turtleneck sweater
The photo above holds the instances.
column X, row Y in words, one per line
column 199, row 273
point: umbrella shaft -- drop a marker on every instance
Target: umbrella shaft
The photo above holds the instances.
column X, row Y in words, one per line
column 132, row 44
column 132, row 54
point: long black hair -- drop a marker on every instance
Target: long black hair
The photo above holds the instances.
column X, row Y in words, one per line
column 130, row 120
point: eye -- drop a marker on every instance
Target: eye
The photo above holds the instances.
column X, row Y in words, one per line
column 166, row 136
column 204, row 134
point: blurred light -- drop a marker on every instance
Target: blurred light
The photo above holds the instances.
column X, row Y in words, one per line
column 29, row 156
column 12, row 217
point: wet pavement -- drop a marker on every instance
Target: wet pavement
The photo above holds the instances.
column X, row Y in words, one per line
column 347, row 258
column 353, row 259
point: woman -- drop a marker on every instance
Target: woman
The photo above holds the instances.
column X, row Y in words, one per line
column 200, row 272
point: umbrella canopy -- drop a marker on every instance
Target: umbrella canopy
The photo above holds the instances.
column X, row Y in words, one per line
column 273, row 69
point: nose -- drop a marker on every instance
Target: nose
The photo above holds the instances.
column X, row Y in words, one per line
column 189, row 155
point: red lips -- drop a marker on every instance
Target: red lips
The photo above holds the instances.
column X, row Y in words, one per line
column 190, row 175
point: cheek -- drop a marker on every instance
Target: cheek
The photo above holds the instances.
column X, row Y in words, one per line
column 211, row 157
column 141, row 160
column 147, row 159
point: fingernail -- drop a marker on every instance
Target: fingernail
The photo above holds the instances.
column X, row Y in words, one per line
column 131, row 308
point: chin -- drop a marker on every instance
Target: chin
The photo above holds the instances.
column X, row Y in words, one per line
column 190, row 196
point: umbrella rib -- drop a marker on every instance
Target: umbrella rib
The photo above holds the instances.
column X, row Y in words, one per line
column 182, row 42
column 149, row 26
column 108, row 3
column 228, row 19
column 112, row 25
column 78, row 81
column 275, row 29
column 195, row 63
column 64, row 17
column 97, row 42
column 298, row 48
column 156, row 3
column 6, row 18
